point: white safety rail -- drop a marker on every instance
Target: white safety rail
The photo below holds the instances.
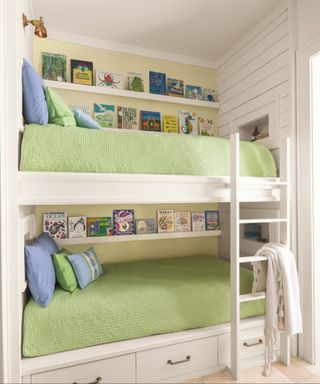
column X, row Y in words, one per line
column 236, row 187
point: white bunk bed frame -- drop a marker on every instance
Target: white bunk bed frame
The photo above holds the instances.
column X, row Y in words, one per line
column 171, row 357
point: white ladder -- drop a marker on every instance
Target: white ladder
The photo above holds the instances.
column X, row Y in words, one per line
column 236, row 260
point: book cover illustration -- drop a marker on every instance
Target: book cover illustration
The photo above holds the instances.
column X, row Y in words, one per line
column 83, row 108
column 209, row 95
column 54, row 66
column 188, row 123
column 175, row 87
column 198, row 221
column 193, row 92
column 212, row 220
column 135, row 82
column 99, row 226
column 206, row 127
column 157, row 83
column 123, row 222
column 108, row 79
column 55, row 224
column 77, row 226
column 81, row 72
column 127, row 118
column 170, row 124
column 144, row 226
column 182, row 222
column 165, row 220
column 104, row 115
column 150, row 121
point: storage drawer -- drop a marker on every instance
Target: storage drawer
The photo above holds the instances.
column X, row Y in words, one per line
column 115, row 370
column 175, row 360
column 251, row 344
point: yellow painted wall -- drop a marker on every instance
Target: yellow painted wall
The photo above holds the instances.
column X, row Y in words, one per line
column 122, row 63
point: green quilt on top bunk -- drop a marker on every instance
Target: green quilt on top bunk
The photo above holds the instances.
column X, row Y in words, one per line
column 133, row 300
column 54, row 148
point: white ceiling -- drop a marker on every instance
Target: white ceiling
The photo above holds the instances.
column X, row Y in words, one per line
column 204, row 29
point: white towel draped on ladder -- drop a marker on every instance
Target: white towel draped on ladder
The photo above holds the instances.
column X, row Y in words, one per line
column 278, row 277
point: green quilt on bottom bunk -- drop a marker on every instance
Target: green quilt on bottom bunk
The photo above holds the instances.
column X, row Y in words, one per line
column 52, row 148
column 133, row 300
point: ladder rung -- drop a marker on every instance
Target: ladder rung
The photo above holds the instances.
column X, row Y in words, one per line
column 252, row 297
column 252, row 259
column 254, row 221
column 266, row 183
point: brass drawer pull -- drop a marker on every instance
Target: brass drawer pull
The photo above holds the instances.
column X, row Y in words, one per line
column 253, row 344
column 188, row 358
column 97, row 381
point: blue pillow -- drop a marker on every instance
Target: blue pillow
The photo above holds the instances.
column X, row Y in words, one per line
column 84, row 120
column 35, row 109
column 48, row 243
column 86, row 266
column 40, row 270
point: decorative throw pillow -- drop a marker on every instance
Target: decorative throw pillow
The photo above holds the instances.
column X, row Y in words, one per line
column 84, row 120
column 64, row 272
column 59, row 112
column 35, row 109
column 86, row 266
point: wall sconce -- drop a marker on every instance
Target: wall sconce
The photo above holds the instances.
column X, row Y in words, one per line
column 40, row 29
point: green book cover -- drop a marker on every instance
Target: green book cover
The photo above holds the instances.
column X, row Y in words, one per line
column 54, row 66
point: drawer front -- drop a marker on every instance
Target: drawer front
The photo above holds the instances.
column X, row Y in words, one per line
column 115, row 370
column 178, row 359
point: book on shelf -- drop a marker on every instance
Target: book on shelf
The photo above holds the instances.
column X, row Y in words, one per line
column 54, row 66
column 206, row 127
column 175, row 87
column 123, row 222
column 77, row 226
column 104, row 115
column 135, row 82
column 170, row 124
column 198, row 221
column 108, row 79
column 182, row 222
column 99, row 226
column 144, row 226
column 55, row 224
column 188, row 123
column 157, row 83
column 165, row 218
column 127, row 118
column 209, row 95
column 81, row 72
column 150, row 121
column 212, row 220
column 194, row 92
column 83, row 108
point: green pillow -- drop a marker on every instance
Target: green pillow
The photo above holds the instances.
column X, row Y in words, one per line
column 64, row 272
column 59, row 112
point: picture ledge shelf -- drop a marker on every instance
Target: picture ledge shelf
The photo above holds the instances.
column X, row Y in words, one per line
column 125, row 93
column 150, row 236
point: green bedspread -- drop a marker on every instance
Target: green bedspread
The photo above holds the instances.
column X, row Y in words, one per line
column 133, row 300
column 54, row 148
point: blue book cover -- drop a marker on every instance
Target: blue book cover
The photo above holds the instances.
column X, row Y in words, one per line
column 150, row 121
column 193, row 92
column 123, row 222
column 212, row 220
column 157, row 83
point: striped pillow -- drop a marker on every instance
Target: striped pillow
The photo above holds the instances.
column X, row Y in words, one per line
column 86, row 266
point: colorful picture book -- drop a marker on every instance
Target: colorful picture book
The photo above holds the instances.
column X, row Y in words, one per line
column 108, row 79
column 175, row 87
column 135, row 82
column 123, row 222
column 209, row 95
column 188, row 123
column 77, row 226
column 55, row 224
column 104, row 115
column 253, row 231
column 165, row 220
column 198, row 221
column 99, row 226
column 193, row 92
column 212, row 220
column 81, row 72
column 206, row 127
column 144, row 226
column 54, row 66
column 182, row 222
column 150, row 121
column 127, row 118
column 82, row 108
column 157, row 83
column 170, row 124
